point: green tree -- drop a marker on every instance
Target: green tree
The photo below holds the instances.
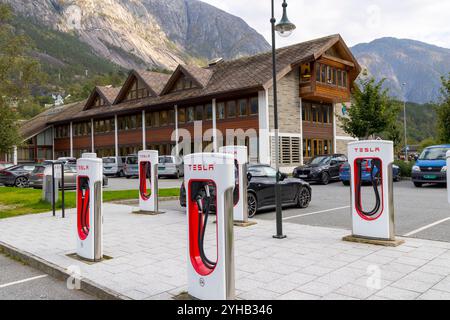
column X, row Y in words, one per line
column 443, row 111
column 372, row 112
column 18, row 73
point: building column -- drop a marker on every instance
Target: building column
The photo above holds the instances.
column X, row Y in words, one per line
column 71, row 139
column 92, row 136
column 334, row 128
column 144, row 129
column 264, row 127
column 116, row 135
column 15, row 155
column 53, row 143
column 177, row 135
column 214, row 124
column 302, row 160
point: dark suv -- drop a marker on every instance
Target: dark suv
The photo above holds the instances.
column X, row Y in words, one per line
column 322, row 169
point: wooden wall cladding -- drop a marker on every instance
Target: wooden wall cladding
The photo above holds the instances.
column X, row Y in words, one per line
column 317, row 130
column 62, row 144
column 105, row 140
column 130, row 137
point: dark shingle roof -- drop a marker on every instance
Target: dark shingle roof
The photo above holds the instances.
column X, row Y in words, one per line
column 109, row 93
column 155, row 80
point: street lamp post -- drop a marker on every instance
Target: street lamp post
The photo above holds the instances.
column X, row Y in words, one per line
column 404, row 121
column 284, row 29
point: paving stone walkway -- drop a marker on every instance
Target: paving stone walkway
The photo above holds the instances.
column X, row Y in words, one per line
column 149, row 259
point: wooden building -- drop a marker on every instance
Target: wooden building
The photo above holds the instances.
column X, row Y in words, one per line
column 151, row 109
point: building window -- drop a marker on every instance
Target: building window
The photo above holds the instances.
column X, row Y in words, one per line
column 163, row 118
column 221, row 110
column 181, row 115
column 190, row 114
column 138, row 90
column 243, row 103
column 62, row 131
column 170, row 117
column 315, row 147
column 254, row 103
column 208, row 112
column 199, row 113
column 130, row 122
column 231, row 109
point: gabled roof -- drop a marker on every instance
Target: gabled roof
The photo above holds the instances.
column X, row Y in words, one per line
column 200, row 76
column 107, row 93
column 39, row 123
column 154, row 81
column 249, row 74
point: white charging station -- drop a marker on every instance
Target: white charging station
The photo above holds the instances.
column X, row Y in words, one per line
column 209, row 180
column 448, row 175
column 240, row 154
column 90, row 208
column 148, row 180
column 371, row 163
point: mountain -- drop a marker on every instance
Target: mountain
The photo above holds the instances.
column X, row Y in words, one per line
column 419, row 65
column 145, row 33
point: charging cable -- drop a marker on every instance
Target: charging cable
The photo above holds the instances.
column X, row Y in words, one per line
column 375, row 179
column 144, row 174
column 84, row 201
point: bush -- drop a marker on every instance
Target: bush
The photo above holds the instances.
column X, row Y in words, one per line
column 405, row 167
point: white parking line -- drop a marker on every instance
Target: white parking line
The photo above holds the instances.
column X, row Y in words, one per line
column 313, row 213
column 425, row 227
column 22, row 281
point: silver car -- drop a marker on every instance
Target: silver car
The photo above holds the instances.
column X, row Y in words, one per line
column 170, row 166
column 130, row 168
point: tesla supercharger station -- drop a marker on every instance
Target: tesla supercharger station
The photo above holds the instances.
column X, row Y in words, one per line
column 148, row 180
column 372, row 218
column 448, row 176
column 89, row 208
column 209, row 180
column 240, row 211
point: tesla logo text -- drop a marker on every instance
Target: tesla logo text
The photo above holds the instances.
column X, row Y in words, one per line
column 82, row 168
column 201, row 167
column 368, row 150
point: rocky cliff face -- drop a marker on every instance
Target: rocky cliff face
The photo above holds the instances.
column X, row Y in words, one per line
column 147, row 33
column 415, row 63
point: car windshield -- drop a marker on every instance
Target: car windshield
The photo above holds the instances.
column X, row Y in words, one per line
column 39, row 169
column 263, row 171
column 320, row 160
column 434, row 154
column 109, row 160
column 165, row 160
column 132, row 160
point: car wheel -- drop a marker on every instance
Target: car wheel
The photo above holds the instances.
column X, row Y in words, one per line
column 303, row 198
column 128, row 177
column 346, row 183
column 418, row 184
column 252, row 204
column 21, row 182
column 325, row 178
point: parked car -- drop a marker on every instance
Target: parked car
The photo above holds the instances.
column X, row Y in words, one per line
column 36, row 177
column 322, row 169
column 130, row 168
column 261, row 195
column 113, row 166
column 170, row 166
column 344, row 172
column 16, row 175
column 431, row 166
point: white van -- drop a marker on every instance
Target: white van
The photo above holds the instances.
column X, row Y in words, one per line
column 113, row 166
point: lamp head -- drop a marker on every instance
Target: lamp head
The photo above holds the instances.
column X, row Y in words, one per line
column 285, row 27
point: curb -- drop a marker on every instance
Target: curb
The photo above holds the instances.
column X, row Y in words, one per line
column 134, row 201
column 59, row 273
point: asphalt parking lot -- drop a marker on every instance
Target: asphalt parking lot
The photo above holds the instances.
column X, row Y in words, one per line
column 20, row 282
column 419, row 212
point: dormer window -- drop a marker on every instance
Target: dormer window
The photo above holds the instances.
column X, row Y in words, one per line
column 183, row 83
column 138, row 90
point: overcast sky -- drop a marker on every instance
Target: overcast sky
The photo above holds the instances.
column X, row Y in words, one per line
column 356, row 20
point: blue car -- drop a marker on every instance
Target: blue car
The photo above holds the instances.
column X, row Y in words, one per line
column 431, row 166
column 344, row 172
